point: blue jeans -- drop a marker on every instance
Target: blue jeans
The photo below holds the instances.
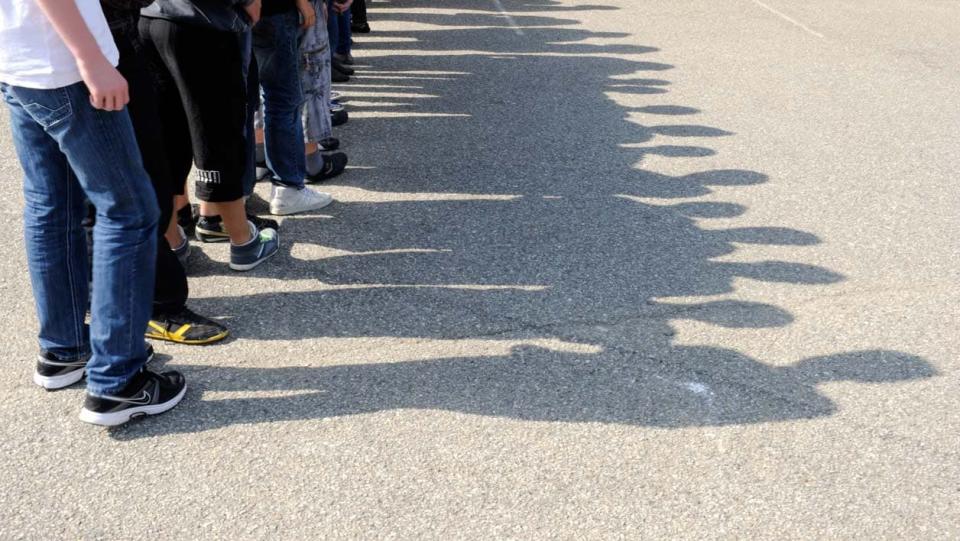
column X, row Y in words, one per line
column 70, row 152
column 277, row 48
column 344, row 33
column 338, row 28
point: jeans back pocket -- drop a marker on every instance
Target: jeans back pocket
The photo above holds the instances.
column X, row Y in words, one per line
column 47, row 107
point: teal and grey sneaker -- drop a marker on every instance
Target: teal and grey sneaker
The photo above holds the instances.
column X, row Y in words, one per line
column 261, row 247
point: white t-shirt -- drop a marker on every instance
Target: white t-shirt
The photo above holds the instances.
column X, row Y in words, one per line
column 32, row 54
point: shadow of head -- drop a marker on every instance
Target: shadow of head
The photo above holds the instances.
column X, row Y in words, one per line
column 871, row 366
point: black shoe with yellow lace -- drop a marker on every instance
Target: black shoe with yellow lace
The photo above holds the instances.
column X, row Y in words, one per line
column 185, row 327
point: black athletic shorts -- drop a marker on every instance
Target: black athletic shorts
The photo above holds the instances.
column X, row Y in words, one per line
column 203, row 102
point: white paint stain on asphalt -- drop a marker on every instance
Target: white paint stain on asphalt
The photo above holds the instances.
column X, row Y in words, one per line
column 789, row 19
column 513, row 23
column 698, row 388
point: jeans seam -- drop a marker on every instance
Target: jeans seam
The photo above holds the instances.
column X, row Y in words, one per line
column 71, row 271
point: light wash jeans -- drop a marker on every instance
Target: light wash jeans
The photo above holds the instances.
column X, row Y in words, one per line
column 315, row 80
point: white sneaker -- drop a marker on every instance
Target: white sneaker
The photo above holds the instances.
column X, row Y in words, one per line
column 291, row 200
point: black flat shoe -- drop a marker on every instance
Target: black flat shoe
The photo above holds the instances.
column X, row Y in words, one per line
column 330, row 143
column 360, row 28
column 338, row 76
column 333, row 165
column 339, row 118
column 340, row 66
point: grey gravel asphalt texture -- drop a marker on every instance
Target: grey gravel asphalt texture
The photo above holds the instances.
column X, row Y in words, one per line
column 599, row 269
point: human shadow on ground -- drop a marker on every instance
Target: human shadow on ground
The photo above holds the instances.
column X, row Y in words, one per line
column 694, row 387
column 503, row 194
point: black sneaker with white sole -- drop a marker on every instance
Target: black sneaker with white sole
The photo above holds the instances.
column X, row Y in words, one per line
column 148, row 393
column 54, row 373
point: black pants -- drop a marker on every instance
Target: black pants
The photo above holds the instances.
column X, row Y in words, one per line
column 170, row 291
column 203, row 102
column 358, row 10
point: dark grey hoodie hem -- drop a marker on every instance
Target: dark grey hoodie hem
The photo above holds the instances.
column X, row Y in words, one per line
column 223, row 15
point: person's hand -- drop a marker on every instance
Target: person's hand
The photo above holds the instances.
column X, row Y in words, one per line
column 307, row 13
column 342, row 7
column 108, row 89
column 253, row 11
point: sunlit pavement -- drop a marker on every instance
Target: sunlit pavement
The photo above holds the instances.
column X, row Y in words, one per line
column 600, row 269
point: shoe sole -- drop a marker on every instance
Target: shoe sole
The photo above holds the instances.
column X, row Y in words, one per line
column 51, row 383
column 200, row 342
column 206, row 236
column 295, row 210
column 250, row 266
column 118, row 418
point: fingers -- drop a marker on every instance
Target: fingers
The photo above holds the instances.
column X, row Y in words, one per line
column 114, row 100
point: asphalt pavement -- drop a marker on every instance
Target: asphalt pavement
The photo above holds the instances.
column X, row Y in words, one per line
column 599, row 269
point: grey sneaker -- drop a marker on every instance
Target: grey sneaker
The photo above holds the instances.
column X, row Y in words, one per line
column 261, row 247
